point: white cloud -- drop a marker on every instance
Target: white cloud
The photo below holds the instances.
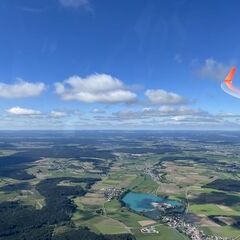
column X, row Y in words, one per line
column 57, row 114
column 21, row 89
column 100, row 88
column 23, row 111
column 160, row 96
column 74, row 3
column 213, row 70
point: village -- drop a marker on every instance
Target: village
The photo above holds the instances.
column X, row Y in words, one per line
column 182, row 226
column 112, row 192
column 189, row 229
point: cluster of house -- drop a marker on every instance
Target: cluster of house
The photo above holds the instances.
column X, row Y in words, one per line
column 112, row 192
column 153, row 173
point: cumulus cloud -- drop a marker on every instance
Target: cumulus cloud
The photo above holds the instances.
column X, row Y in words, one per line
column 160, row 96
column 74, row 3
column 58, row 114
column 21, row 89
column 213, row 70
column 100, row 88
column 23, row 111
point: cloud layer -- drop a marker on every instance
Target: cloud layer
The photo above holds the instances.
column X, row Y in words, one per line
column 164, row 117
column 164, row 111
column 100, row 88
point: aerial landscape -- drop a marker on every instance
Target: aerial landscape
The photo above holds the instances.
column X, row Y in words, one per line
column 119, row 120
column 119, row 185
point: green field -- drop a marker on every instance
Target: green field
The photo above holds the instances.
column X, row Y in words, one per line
column 144, row 184
column 165, row 233
column 212, row 209
column 110, row 226
column 224, row 231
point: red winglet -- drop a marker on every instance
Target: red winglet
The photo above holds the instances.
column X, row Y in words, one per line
column 230, row 75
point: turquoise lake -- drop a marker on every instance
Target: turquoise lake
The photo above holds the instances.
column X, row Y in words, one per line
column 142, row 202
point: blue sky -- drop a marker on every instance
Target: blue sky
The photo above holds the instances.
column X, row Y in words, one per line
column 130, row 64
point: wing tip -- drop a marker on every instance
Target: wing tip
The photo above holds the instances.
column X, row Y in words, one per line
column 230, row 75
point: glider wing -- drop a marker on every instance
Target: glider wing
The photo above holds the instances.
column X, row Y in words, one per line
column 227, row 85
